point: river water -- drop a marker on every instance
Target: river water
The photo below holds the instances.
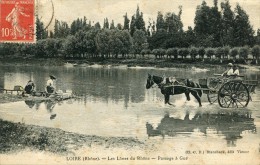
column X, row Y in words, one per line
column 113, row 101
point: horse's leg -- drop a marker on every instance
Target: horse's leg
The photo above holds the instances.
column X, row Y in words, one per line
column 196, row 95
column 167, row 99
column 187, row 93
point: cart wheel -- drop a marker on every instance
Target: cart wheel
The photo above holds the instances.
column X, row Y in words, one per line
column 212, row 96
column 233, row 94
column 214, row 85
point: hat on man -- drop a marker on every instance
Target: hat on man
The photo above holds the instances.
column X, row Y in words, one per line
column 230, row 64
column 52, row 77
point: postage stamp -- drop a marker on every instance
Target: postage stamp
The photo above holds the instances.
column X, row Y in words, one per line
column 17, row 21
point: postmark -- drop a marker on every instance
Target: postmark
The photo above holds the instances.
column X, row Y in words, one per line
column 17, row 21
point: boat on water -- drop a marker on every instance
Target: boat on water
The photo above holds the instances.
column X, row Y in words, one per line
column 59, row 95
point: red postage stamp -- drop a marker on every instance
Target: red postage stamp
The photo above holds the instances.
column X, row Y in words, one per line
column 17, row 21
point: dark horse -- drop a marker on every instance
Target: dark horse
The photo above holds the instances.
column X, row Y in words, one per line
column 174, row 88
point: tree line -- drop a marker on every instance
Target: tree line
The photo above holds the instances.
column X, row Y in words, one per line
column 218, row 33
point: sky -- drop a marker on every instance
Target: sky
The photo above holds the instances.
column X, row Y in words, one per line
column 97, row 10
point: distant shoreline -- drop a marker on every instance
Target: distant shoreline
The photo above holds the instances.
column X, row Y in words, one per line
column 129, row 62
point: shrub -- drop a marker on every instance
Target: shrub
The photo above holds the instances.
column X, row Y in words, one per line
column 256, row 51
column 243, row 52
column 210, row 52
column 219, row 52
column 193, row 52
column 162, row 52
column 226, row 51
column 201, row 52
column 183, row 52
column 169, row 52
column 156, row 52
column 234, row 52
column 175, row 53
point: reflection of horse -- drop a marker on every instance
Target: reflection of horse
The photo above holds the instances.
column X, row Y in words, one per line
column 231, row 125
column 174, row 88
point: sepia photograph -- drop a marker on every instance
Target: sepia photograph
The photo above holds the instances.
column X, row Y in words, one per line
column 129, row 82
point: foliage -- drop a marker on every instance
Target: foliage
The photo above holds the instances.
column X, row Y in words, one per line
column 193, row 52
column 219, row 52
column 256, row 51
column 201, row 52
column 243, row 32
column 234, row 52
column 210, row 52
column 243, row 52
column 139, row 39
column 183, row 52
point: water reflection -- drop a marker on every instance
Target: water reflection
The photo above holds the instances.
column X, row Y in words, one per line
column 227, row 124
column 49, row 106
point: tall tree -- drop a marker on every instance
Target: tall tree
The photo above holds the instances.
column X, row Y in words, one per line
column 201, row 20
column 126, row 22
column 139, row 40
column 243, row 31
column 132, row 25
column 41, row 33
column 112, row 25
column 106, row 24
column 227, row 23
column 97, row 26
column 160, row 24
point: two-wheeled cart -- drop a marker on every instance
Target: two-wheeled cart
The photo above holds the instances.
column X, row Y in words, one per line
column 230, row 92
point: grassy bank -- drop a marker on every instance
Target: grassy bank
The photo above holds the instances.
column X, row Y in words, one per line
column 16, row 137
column 6, row 98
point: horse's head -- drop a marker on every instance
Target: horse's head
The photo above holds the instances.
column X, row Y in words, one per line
column 149, row 82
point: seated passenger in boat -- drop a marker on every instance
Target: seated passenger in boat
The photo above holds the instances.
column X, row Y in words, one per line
column 29, row 88
column 50, row 88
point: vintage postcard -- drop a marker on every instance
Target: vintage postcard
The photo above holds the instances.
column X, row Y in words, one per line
column 129, row 82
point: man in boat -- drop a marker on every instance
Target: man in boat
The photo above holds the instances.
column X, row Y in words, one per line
column 50, row 88
column 29, row 88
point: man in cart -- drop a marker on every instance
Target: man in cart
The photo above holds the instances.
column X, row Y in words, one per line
column 229, row 71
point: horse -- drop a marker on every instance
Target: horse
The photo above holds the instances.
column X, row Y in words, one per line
column 174, row 88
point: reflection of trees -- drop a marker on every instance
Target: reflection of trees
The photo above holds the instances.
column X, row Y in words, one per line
column 231, row 125
column 109, row 84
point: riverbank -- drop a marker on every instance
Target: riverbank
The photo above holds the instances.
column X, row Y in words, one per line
column 16, row 137
column 7, row 98
column 130, row 62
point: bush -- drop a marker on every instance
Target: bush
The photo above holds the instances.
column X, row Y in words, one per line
column 183, row 52
column 256, row 51
column 210, row 52
column 243, row 52
column 201, row 52
column 226, row 51
column 234, row 52
column 193, row 52
column 156, row 52
column 162, row 52
column 219, row 52
column 169, row 52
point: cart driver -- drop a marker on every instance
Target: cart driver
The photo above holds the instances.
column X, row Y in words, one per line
column 235, row 70
column 229, row 71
